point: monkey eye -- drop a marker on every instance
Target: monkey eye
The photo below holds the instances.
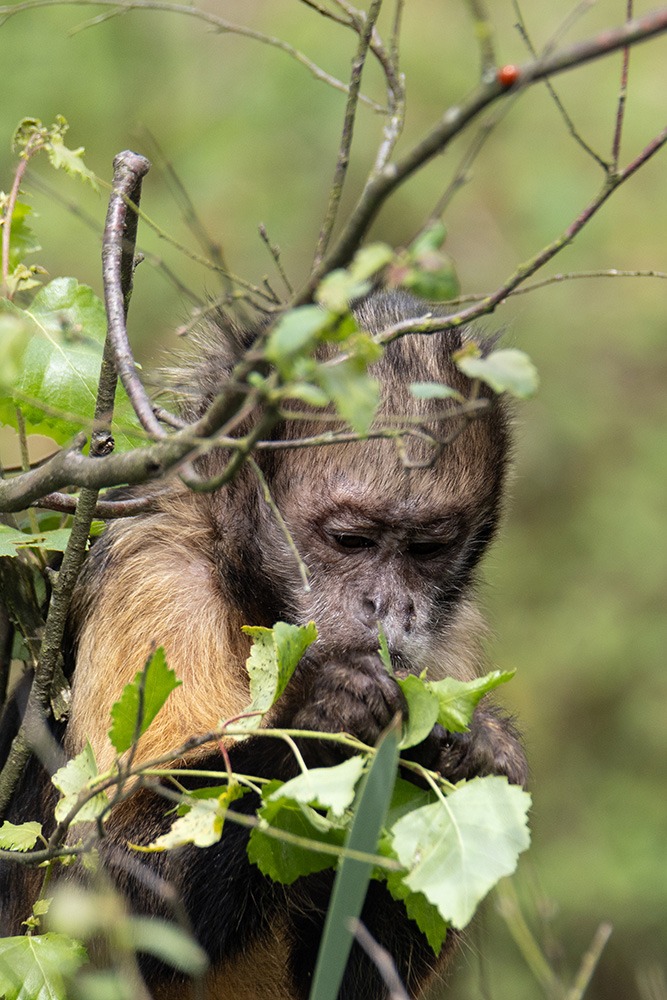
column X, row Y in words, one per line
column 426, row 547
column 347, row 540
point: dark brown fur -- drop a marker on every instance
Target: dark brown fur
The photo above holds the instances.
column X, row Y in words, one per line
column 383, row 543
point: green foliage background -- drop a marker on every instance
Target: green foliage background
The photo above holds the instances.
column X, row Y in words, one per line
column 576, row 585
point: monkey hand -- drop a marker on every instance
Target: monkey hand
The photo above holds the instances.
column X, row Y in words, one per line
column 490, row 746
column 352, row 694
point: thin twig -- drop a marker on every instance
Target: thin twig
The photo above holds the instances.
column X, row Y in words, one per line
column 569, row 124
column 8, row 215
column 268, row 499
column 275, row 253
column 351, row 105
column 484, row 33
column 381, row 959
column 589, row 963
column 622, row 97
column 219, row 23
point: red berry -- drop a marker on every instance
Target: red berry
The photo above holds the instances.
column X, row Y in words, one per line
column 507, row 75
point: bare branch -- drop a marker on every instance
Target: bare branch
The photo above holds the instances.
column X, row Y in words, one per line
column 64, row 503
column 380, row 186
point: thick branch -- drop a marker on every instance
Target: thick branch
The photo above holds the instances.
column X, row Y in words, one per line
column 118, row 245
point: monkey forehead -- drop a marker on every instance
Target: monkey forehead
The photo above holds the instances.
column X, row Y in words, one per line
column 373, row 476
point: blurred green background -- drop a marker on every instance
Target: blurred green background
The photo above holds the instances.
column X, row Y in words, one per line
column 576, row 586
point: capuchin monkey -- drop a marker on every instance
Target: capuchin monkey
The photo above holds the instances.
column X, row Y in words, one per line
column 391, row 539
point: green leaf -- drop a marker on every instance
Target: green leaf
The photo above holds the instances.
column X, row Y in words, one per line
column 312, row 395
column 383, row 650
column 52, row 541
column 353, row 392
column 353, row 876
column 423, row 706
column 434, row 390
column 202, row 824
column 433, row 277
column 343, row 286
column 431, row 238
column 506, row 370
column 339, row 289
column 72, row 779
column 457, row 849
column 157, row 682
column 325, row 787
column 168, row 942
column 457, row 699
column 418, row 908
column 70, row 160
column 20, row 837
column 285, row 862
column 273, row 659
column 50, row 363
column 22, row 240
column 369, row 260
column 37, row 967
column 296, row 333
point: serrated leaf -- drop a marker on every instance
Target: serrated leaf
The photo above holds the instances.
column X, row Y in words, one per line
column 423, row 706
column 457, row 699
column 157, row 681
column 424, row 913
column 202, row 825
column 70, row 160
column 273, row 659
column 168, row 942
column 37, row 967
column 506, row 370
column 325, row 787
column 457, row 849
column 434, row 390
column 285, row 862
column 21, row 837
column 72, row 779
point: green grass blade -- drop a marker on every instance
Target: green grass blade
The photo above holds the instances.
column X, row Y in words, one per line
column 352, row 879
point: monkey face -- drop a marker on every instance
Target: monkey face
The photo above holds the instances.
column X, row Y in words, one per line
column 386, row 547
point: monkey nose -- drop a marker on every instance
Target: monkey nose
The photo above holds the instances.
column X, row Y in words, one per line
column 393, row 614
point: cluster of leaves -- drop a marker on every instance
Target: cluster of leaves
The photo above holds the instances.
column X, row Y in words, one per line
column 439, row 848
